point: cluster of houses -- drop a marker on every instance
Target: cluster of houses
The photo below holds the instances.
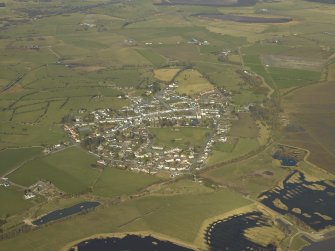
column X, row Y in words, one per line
column 4, row 182
column 72, row 133
column 198, row 42
column 123, row 138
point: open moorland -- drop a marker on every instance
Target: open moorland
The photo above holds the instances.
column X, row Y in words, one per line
column 172, row 118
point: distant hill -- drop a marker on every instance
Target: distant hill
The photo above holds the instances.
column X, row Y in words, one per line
column 208, row 2
column 323, row 1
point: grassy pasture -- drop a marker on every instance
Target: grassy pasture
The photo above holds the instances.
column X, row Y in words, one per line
column 281, row 77
column 153, row 57
column 244, row 127
column 248, row 177
column 255, row 64
column 246, row 97
column 114, row 182
column 183, row 186
column 11, row 158
column 222, row 76
column 181, row 53
column 192, row 83
column 242, row 147
column 155, row 213
column 15, row 134
column 285, row 78
column 227, row 146
column 70, row 170
column 179, row 137
column 188, row 210
column 165, row 75
column 98, row 57
column 12, row 201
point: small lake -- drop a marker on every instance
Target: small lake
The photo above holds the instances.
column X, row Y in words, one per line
column 327, row 245
column 61, row 213
column 229, row 233
column 128, row 242
column 243, row 19
column 285, row 160
column 210, row 3
column 323, row 1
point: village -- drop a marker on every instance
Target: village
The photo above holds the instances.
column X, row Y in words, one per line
column 123, row 138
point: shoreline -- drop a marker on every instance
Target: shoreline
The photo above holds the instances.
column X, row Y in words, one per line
column 156, row 235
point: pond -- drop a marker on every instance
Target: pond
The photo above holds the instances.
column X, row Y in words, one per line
column 244, row 19
column 327, row 245
column 285, row 160
column 62, row 213
column 128, row 242
column 323, row 1
column 211, row 3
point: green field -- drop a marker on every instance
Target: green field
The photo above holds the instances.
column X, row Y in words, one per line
column 114, row 182
column 180, row 136
column 12, row 201
column 70, row 170
column 192, row 83
column 249, row 177
column 244, row 127
column 286, row 78
column 155, row 213
column 242, row 147
column 279, row 78
column 60, row 58
column 11, row 158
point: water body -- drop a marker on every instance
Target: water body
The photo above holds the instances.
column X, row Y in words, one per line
column 314, row 199
column 129, row 243
column 228, row 234
column 61, row 213
column 323, row 1
column 244, row 19
column 212, row 3
column 327, row 245
column 285, row 161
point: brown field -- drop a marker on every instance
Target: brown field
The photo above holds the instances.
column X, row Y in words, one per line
column 166, row 74
column 87, row 68
column 312, row 108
